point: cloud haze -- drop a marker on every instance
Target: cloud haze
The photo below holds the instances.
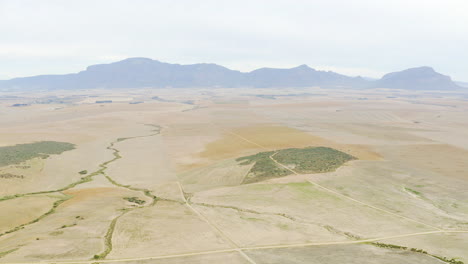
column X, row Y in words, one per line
column 351, row 37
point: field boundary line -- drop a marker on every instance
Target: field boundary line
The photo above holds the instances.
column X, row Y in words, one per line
column 247, row 248
column 330, row 190
column 231, row 243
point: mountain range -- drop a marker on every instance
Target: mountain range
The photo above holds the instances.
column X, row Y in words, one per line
column 144, row 72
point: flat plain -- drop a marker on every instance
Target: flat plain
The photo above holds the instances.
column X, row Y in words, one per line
column 234, row 176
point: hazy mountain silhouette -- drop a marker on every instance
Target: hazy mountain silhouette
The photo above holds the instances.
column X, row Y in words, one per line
column 301, row 76
column 133, row 73
column 462, row 84
column 421, row 78
column 143, row 72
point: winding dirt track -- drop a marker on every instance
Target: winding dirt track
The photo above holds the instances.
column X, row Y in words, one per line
column 240, row 250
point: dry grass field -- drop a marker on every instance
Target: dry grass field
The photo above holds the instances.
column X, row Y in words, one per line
column 163, row 181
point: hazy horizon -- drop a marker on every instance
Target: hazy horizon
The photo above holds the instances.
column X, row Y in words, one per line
column 234, row 132
column 365, row 38
column 243, row 71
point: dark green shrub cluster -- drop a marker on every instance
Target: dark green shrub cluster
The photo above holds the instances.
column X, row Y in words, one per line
column 70, row 225
column 22, row 152
column 313, row 159
column 383, row 245
column 417, row 250
column 264, row 167
column 451, row 261
column 134, row 200
column 11, row 176
column 305, row 160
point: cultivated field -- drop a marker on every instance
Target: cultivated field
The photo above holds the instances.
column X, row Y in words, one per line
column 234, row 176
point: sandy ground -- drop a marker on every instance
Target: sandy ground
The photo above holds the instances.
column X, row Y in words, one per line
column 409, row 181
column 340, row 254
column 32, row 207
column 155, row 230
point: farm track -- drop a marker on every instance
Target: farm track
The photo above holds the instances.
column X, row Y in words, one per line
column 214, row 227
column 88, row 178
column 240, row 250
column 333, row 191
column 354, row 200
column 250, row 248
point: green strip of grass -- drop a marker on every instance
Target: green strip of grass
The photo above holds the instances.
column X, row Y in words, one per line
column 108, row 239
column 417, row 250
column 4, row 253
column 413, row 191
column 51, row 211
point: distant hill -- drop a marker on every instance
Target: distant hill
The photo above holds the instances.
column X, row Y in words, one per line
column 462, row 84
column 144, row 72
column 301, row 76
column 133, row 73
column 421, row 78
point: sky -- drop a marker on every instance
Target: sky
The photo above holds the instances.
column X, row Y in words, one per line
column 353, row 37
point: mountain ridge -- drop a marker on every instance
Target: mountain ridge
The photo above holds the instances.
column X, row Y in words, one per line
column 140, row 72
column 419, row 78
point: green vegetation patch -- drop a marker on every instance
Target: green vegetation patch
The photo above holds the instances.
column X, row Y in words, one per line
column 264, row 167
column 312, row 159
column 10, row 176
column 4, row 253
column 413, row 191
column 383, row 245
column 417, row 250
column 23, row 152
column 305, row 160
column 108, row 239
column 135, row 200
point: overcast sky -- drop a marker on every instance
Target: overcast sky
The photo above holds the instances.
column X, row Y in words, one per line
column 354, row 37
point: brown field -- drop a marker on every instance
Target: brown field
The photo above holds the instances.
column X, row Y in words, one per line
column 33, row 208
column 234, row 143
column 158, row 182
